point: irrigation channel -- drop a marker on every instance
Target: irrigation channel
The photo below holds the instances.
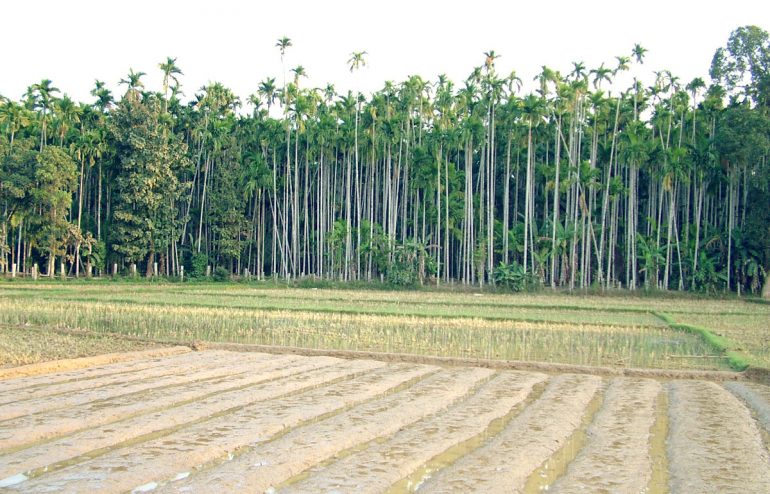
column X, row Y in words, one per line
column 222, row 421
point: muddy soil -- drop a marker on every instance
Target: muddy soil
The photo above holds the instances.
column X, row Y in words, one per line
column 758, row 398
column 165, row 457
column 616, row 456
column 222, row 421
column 714, row 444
column 274, row 462
column 505, row 463
column 412, row 446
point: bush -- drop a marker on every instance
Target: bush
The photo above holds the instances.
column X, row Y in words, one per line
column 512, row 276
column 198, row 264
column 221, row 274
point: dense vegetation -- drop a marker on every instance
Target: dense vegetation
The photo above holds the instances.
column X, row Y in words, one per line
column 572, row 185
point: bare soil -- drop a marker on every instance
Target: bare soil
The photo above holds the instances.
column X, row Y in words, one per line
column 172, row 420
column 714, row 444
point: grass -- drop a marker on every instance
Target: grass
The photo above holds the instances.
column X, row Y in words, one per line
column 744, row 338
column 628, row 331
column 25, row 345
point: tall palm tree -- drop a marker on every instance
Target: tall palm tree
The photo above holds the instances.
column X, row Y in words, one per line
column 133, row 81
column 170, row 72
column 267, row 91
column 103, row 96
column 44, row 91
column 638, row 52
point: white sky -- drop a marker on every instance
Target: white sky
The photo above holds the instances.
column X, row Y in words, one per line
column 74, row 42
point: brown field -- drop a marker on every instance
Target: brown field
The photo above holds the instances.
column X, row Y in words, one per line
column 218, row 421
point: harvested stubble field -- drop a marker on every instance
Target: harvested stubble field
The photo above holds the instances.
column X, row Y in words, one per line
column 617, row 331
column 217, row 421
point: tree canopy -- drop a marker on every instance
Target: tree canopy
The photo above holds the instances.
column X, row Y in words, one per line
column 579, row 183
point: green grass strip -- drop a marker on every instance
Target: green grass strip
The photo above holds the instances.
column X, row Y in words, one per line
column 736, row 360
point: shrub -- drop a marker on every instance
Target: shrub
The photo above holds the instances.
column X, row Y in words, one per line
column 221, row 274
column 198, row 264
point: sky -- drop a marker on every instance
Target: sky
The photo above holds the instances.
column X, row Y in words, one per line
column 74, row 42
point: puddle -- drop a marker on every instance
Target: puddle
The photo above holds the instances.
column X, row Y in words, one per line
column 658, row 452
column 554, row 467
column 145, row 488
column 13, row 480
column 414, row 481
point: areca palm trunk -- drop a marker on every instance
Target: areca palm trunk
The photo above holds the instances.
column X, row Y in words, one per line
column 555, row 216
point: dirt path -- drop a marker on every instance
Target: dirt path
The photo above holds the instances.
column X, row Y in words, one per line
column 714, row 444
column 141, row 465
column 416, row 444
column 616, row 457
column 84, row 362
column 505, row 463
column 274, row 462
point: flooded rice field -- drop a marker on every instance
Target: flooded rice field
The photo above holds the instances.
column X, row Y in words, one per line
column 218, row 421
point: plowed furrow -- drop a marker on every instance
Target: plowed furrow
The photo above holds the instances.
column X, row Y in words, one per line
column 93, row 442
column 44, row 427
column 176, row 365
column 505, row 463
column 139, row 360
column 375, row 468
column 714, row 444
column 159, row 458
column 276, row 461
column 200, row 369
column 616, row 457
column 758, row 398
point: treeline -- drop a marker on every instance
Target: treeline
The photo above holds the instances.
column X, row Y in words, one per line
column 572, row 185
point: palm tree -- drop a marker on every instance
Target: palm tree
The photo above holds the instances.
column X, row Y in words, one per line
column 357, row 60
column 44, row 97
column 299, row 71
column 267, row 91
column 489, row 60
column 134, row 80
column 601, row 74
column 103, row 96
column 578, row 71
column 638, row 53
column 14, row 117
column 170, row 72
column 67, row 114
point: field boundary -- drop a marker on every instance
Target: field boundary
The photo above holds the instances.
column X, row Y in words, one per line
column 736, row 360
column 549, row 367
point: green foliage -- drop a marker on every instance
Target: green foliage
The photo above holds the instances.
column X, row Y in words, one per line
column 409, row 264
column 55, row 177
column 98, row 256
column 513, row 277
column 221, row 274
column 198, row 264
column 147, row 185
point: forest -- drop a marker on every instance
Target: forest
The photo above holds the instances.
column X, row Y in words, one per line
column 576, row 184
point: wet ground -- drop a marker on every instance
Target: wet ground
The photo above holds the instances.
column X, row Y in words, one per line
column 220, row 421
